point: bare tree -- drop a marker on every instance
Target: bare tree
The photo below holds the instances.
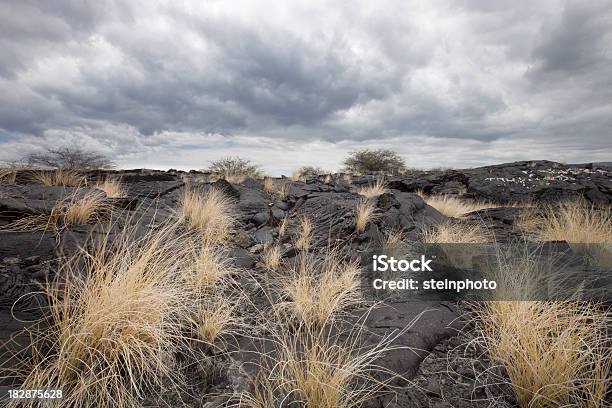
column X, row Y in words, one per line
column 73, row 158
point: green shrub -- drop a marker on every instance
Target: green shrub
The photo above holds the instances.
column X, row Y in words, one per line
column 369, row 161
column 233, row 167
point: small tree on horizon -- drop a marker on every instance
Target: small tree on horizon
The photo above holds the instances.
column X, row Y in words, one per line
column 370, row 161
column 234, row 166
column 311, row 171
column 69, row 158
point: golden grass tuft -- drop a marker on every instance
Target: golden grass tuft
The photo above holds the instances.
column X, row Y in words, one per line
column 114, row 326
column 364, row 213
column 271, row 257
column 319, row 290
column 321, row 372
column 304, row 236
column 84, row 210
column 282, row 227
column 215, row 317
column 454, row 207
column 268, row 185
column 235, row 178
column 282, row 189
column 74, row 210
column 8, row 174
column 310, row 367
column 208, row 212
column 553, row 352
column 211, row 265
column 297, row 175
column 59, row 177
column 455, row 233
column 113, row 188
column 576, row 222
column 374, row 190
column 328, row 179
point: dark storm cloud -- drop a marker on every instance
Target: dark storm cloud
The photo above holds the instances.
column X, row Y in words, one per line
column 134, row 75
column 579, row 41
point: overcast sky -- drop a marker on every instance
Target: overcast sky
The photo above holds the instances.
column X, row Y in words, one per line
column 287, row 83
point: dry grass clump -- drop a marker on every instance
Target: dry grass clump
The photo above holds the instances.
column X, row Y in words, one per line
column 74, row 210
column 374, row 190
column 313, row 368
column 268, row 185
column 235, row 178
column 297, row 175
column 322, row 372
column 394, row 243
column 215, row 317
column 304, row 235
column 364, row 213
column 328, row 179
column 574, row 221
column 586, row 228
column 84, row 210
column 59, row 177
column 8, row 174
column 282, row 227
column 455, row 233
column 554, row 353
column 271, row 257
column 452, row 206
column 208, row 212
column 348, row 178
column 113, row 188
column 282, row 189
column 318, row 290
column 211, row 264
column 114, row 326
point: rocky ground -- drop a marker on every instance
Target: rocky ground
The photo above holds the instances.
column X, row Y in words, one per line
column 440, row 369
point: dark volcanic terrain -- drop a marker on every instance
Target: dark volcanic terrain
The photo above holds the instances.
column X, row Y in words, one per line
column 435, row 358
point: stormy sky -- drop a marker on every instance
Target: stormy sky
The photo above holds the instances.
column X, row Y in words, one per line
column 180, row 83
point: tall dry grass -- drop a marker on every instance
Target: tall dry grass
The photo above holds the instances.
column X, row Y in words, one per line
column 8, row 174
column 576, row 221
column 364, row 213
column 112, row 188
column 318, row 290
column 282, row 227
column 59, row 177
column 282, row 189
column 315, row 368
column 555, row 353
column 216, row 316
column 271, row 257
column 454, row 207
column 297, row 175
column 210, row 213
column 75, row 209
column 374, row 190
column 587, row 228
column 455, row 233
column 268, row 184
column 115, row 322
column 211, row 265
column 304, row 234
